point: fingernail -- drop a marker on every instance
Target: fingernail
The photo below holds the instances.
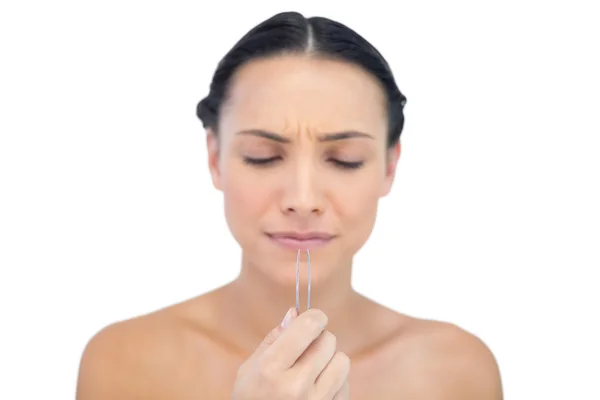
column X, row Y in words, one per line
column 289, row 316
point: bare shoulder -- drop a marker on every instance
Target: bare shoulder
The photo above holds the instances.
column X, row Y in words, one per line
column 118, row 359
column 456, row 363
column 142, row 357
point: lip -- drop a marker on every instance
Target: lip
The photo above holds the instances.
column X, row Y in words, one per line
column 301, row 240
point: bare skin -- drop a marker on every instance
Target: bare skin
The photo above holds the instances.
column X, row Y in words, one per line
column 182, row 353
column 194, row 350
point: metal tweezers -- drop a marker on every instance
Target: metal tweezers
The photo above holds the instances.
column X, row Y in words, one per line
column 298, row 281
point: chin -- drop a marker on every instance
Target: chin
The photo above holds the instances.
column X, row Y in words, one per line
column 284, row 271
column 279, row 263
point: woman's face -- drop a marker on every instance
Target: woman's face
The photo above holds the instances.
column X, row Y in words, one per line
column 302, row 160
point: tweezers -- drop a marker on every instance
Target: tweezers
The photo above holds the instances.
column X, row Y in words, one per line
column 298, row 281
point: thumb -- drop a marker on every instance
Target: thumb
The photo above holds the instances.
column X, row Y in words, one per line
column 278, row 330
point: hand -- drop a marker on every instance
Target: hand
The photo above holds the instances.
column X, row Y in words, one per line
column 297, row 360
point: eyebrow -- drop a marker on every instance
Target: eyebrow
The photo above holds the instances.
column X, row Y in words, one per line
column 328, row 137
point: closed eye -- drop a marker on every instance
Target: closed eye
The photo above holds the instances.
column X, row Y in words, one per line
column 347, row 164
column 260, row 161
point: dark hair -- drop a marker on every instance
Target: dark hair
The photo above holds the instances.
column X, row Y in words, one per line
column 291, row 32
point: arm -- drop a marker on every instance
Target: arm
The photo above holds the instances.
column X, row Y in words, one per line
column 98, row 374
column 469, row 371
column 109, row 368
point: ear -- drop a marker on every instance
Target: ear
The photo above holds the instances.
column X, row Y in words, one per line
column 393, row 154
column 212, row 147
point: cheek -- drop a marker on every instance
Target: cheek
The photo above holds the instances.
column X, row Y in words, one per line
column 360, row 203
column 244, row 205
column 356, row 204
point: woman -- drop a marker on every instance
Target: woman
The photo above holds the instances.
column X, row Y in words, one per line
column 303, row 122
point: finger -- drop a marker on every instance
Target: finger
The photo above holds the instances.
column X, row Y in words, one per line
column 334, row 376
column 295, row 339
column 275, row 333
column 344, row 393
column 316, row 357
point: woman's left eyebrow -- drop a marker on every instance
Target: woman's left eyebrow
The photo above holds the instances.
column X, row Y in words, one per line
column 329, row 137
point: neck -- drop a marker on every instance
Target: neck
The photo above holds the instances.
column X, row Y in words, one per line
column 257, row 302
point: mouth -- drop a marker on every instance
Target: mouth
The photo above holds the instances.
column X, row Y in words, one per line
column 301, row 240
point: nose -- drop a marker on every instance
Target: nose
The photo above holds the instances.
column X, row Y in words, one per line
column 303, row 194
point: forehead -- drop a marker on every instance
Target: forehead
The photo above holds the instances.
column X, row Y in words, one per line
column 297, row 92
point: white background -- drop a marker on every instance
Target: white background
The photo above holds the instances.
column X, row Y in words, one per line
column 107, row 211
